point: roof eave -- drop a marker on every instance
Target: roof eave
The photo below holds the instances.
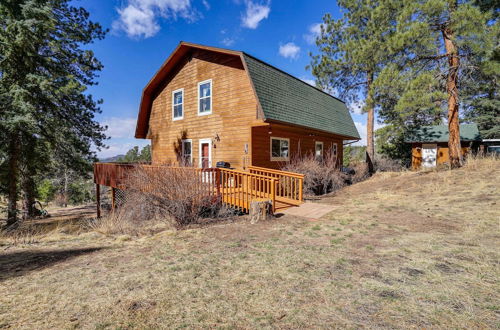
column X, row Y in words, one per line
column 343, row 136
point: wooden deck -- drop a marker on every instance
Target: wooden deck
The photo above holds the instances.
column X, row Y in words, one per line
column 236, row 189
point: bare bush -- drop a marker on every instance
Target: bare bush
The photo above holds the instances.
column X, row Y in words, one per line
column 178, row 196
column 384, row 164
column 321, row 176
column 361, row 172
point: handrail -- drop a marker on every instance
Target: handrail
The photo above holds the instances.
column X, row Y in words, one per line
column 243, row 172
column 270, row 170
column 290, row 185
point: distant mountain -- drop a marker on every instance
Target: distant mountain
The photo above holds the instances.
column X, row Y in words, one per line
column 111, row 159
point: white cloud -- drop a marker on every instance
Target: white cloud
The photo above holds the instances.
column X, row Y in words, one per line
column 228, row 42
column 313, row 32
column 289, row 50
column 254, row 13
column 140, row 17
column 120, row 127
column 206, row 4
column 311, row 82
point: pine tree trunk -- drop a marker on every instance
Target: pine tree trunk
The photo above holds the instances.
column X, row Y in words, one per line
column 13, row 179
column 454, row 147
column 370, row 124
column 65, row 187
column 29, row 195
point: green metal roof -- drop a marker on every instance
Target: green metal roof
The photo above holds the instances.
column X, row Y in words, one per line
column 288, row 99
column 439, row 133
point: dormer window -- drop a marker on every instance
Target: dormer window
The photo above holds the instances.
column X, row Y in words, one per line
column 178, row 104
column 205, row 97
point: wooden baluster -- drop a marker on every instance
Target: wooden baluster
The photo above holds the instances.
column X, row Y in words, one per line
column 301, row 187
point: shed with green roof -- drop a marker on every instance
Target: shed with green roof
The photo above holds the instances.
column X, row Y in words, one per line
column 430, row 144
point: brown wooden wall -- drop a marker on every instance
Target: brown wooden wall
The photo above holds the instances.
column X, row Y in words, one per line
column 443, row 156
column 302, row 142
column 234, row 109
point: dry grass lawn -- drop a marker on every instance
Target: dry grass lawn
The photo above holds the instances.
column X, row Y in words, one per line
column 401, row 250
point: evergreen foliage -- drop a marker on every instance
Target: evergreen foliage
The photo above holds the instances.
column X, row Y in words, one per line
column 45, row 111
column 430, row 59
column 134, row 155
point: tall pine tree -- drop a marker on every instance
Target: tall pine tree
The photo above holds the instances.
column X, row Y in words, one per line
column 44, row 74
column 353, row 50
column 447, row 38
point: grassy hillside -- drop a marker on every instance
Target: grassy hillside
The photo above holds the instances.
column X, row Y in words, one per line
column 399, row 250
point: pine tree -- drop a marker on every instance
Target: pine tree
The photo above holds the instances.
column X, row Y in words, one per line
column 448, row 38
column 353, row 49
column 44, row 74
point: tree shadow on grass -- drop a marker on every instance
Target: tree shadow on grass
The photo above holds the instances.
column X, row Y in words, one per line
column 20, row 263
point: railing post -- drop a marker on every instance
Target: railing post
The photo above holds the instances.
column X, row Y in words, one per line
column 273, row 194
column 217, row 180
column 301, row 187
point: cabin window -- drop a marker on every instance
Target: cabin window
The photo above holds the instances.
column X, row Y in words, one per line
column 177, row 104
column 205, row 97
column 280, row 149
column 318, row 150
column 187, row 152
column 334, row 149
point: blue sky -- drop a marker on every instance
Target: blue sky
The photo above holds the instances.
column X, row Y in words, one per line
column 144, row 32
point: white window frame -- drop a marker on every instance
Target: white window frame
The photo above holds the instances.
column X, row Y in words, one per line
column 322, row 148
column 173, row 104
column 335, row 149
column 202, row 141
column 182, row 150
column 211, row 97
column 276, row 159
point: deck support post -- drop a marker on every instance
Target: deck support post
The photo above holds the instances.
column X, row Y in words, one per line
column 98, row 199
column 113, row 198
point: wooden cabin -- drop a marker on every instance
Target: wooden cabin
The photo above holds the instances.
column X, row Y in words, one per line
column 430, row 144
column 207, row 105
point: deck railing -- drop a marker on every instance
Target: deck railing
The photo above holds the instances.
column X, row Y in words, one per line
column 237, row 189
column 289, row 184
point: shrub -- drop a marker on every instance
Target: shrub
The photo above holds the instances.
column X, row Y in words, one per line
column 384, row 164
column 320, row 176
column 46, row 190
column 180, row 196
column 361, row 172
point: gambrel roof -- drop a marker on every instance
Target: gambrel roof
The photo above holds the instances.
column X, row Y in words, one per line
column 281, row 97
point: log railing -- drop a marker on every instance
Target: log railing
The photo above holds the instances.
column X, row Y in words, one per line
column 289, row 186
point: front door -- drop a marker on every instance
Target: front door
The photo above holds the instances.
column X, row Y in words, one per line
column 429, row 155
column 205, row 153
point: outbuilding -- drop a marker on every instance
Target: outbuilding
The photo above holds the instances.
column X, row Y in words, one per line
column 430, row 144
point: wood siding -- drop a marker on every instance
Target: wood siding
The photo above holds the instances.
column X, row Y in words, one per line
column 234, row 109
column 302, row 142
